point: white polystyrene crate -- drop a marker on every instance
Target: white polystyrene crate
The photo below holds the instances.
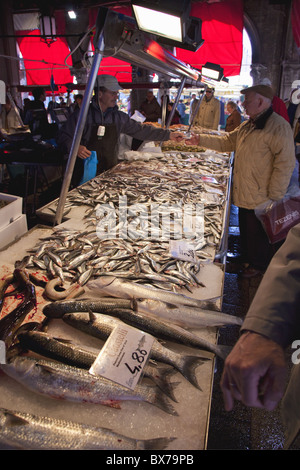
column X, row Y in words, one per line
column 11, row 211
column 13, row 231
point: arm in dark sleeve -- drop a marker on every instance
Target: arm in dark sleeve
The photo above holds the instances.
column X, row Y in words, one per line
column 275, row 310
column 66, row 133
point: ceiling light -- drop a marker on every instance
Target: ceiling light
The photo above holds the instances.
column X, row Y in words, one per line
column 72, row 14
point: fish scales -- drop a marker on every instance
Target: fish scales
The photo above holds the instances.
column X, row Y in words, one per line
column 29, row 431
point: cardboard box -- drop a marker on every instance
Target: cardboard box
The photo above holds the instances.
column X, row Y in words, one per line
column 13, row 231
column 12, row 209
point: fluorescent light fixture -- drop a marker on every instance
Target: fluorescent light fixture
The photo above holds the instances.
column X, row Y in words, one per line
column 170, row 21
column 72, row 14
column 213, row 71
column 157, row 22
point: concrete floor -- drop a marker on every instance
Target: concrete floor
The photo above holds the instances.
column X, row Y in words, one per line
column 242, row 428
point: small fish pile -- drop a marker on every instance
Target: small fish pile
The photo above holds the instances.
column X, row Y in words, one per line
column 143, row 254
column 28, row 431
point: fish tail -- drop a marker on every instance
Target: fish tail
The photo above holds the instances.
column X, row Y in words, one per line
column 188, row 367
column 163, row 383
column 161, row 401
column 223, row 351
column 159, row 443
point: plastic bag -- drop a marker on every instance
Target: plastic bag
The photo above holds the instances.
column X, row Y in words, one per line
column 90, row 167
column 278, row 217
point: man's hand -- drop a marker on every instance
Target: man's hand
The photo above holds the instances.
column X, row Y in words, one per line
column 254, row 373
column 176, row 136
column 194, row 140
column 83, row 152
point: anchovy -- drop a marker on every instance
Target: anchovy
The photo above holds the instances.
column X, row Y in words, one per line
column 188, row 317
column 101, row 326
column 28, row 431
column 70, row 383
column 119, row 288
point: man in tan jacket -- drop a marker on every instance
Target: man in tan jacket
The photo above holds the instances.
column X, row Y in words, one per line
column 263, row 164
column 208, row 115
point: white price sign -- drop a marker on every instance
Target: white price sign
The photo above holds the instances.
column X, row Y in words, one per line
column 183, row 250
column 124, row 356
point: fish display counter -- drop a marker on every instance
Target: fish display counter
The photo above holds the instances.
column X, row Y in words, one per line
column 70, row 289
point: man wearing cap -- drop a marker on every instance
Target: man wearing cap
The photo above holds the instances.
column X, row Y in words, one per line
column 263, row 164
column 103, row 126
column 208, row 114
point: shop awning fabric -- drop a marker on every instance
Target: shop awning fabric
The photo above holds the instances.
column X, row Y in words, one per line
column 222, row 31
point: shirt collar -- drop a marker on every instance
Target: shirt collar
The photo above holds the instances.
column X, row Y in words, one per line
column 260, row 121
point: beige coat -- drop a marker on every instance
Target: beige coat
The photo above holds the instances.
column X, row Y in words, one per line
column 208, row 115
column 264, row 159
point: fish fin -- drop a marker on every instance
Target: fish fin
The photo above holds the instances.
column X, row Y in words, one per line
column 134, row 304
column 161, row 401
column 14, row 420
column 159, row 443
column 162, row 382
column 187, row 369
column 92, row 316
column 223, row 351
column 112, row 404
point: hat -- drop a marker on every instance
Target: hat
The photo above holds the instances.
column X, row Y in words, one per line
column 108, row 81
column 263, row 90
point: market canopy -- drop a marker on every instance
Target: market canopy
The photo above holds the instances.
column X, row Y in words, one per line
column 222, row 31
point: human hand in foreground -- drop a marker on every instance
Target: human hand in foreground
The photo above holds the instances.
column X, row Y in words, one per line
column 254, row 373
column 193, row 140
column 176, row 136
column 83, row 152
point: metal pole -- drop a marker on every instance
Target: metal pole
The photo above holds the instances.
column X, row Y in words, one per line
column 79, row 128
column 196, row 109
column 176, row 102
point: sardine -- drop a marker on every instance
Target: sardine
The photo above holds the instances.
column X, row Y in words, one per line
column 187, row 317
column 101, row 326
column 65, row 351
column 27, row 431
column 70, row 383
column 129, row 290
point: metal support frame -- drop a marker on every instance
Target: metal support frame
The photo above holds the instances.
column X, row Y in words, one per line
column 99, row 49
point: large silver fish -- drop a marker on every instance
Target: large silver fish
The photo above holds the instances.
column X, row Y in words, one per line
column 185, row 316
column 61, row 381
column 27, row 431
column 101, row 326
column 106, row 304
column 72, row 354
column 116, row 287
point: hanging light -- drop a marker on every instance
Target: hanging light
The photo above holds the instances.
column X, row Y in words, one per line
column 48, row 28
column 72, row 14
column 213, row 71
column 170, row 21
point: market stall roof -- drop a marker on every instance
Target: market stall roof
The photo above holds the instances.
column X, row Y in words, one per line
column 222, row 31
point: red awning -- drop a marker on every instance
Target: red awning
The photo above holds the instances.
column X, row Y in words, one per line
column 42, row 60
column 295, row 19
column 222, row 31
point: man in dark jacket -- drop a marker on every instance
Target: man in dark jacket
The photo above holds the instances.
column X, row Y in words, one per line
column 103, row 126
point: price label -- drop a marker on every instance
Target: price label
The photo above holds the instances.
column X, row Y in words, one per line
column 124, row 356
column 2, row 352
column 180, row 249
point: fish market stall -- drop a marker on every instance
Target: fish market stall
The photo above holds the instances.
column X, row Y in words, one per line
column 88, row 259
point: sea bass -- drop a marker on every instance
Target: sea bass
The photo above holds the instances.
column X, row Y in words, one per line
column 101, row 326
column 65, row 351
column 28, row 431
column 61, row 381
column 187, row 317
column 117, row 287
